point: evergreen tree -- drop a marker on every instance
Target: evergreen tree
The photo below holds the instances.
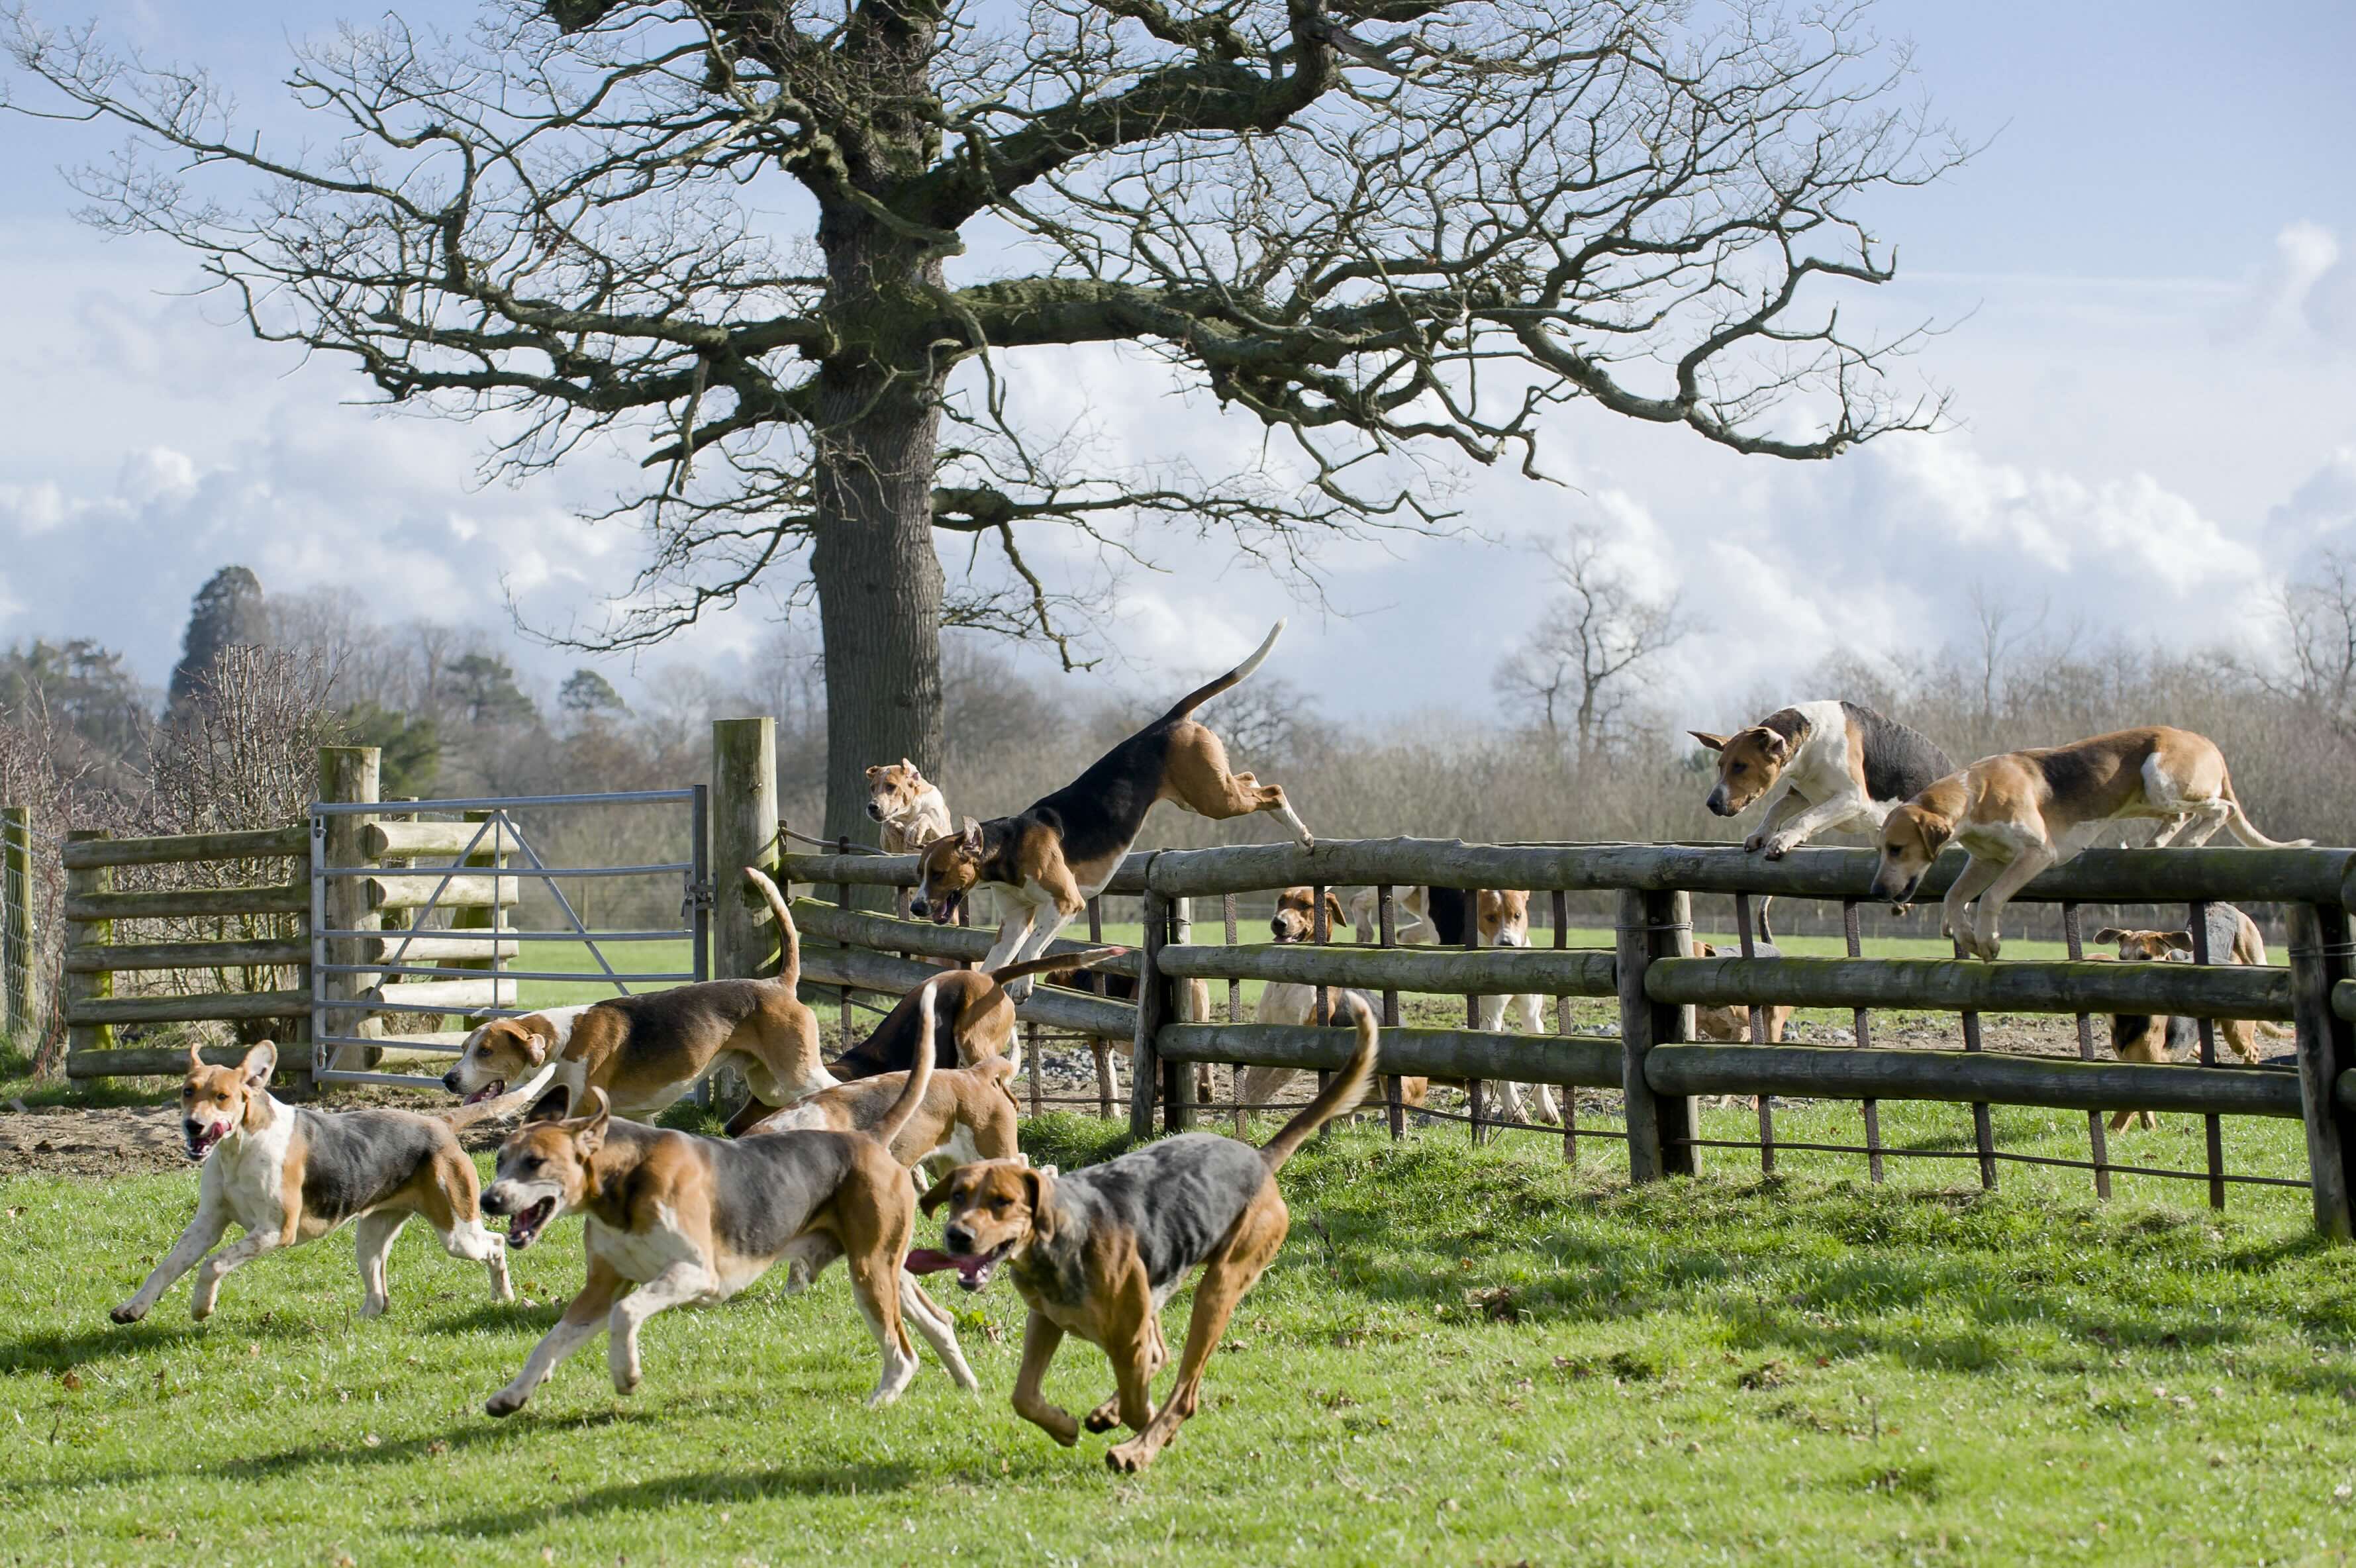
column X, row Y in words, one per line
column 226, row 613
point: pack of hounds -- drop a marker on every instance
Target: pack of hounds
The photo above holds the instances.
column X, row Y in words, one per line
column 823, row 1161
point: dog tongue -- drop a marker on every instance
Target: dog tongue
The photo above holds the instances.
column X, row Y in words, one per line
column 925, row 1260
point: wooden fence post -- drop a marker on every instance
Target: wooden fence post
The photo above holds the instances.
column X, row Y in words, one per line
column 1152, row 1011
column 1661, row 1128
column 2319, row 961
column 347, row 773
column 1179, row 1081
column 19, row 935
column 743, row 832
column 87, row 987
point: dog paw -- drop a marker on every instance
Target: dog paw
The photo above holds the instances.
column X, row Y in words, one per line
column 503, row 1403
column 129, row 1312
column 1780, row 845
column 373, row 1306
column 1755, row 842
column 1128, row 1457
column 1105, row 1417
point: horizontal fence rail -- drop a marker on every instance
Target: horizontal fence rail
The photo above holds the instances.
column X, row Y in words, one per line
column 1957, row 985
column 1560, row 971
column 2059, row 1083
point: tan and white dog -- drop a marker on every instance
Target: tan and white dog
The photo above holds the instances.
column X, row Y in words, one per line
column 2234, row 938
column 1288, row 1002
column 1441, row 916
column 968, row 1113
column 288, row 1175
column 2020, row 813
column 1048, row 860
column 674, row 1220
column 912, row 811
column 645, row 1052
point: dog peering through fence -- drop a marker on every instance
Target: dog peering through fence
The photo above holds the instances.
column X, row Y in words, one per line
column 1654, row 1061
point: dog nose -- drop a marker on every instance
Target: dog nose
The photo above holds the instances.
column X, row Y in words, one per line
column 957, row 1239
column 449, row 1080
column 874, row 811
column 493, row 1203
column 1716, row 802
column 918, row 907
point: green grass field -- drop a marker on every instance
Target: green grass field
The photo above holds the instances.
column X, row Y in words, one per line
column 1465, row 1355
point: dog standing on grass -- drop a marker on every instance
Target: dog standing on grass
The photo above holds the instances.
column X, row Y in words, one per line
column 288, row 1175
column 675, row 1218
column 1098, row 1252
column 1050, row 859
column 2234, row 938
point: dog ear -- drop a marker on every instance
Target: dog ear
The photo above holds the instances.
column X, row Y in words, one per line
column 538, row 1037
column 2181, row 941
column 259, row 1064
column 1039, row 1188
column 589, row 1128
column 873, row 771
column 549, row 1107
column 970, row 838
column 2109, row 934
column 1715, row 742
column 1337, row 915
column 196, row 1058
column 910, row 769
column 940, row 1194
column 1778, row 745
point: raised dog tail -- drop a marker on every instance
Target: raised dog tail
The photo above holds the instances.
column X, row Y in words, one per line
column 1341, row 1094
column 920, row 1076
column 1080, row 959
column 789, row 941
column 2242, row 828
column 1234, row 677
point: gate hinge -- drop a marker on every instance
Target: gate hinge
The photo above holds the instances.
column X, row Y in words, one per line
column 699, row 896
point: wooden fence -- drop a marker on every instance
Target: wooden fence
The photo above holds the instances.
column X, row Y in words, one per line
column 1652, row 971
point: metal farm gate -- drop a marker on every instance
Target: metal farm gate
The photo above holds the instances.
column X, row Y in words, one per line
column 428, row 910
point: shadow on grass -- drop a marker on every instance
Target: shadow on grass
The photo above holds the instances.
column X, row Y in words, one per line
column 696, row 1488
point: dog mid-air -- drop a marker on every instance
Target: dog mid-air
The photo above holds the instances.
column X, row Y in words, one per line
column 1046, row 862
column 2020, row 813
column 1096, row 1253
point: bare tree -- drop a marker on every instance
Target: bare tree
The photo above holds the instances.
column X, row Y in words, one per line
column 1592, row 651
column 2319, row 619
column 1394, row 232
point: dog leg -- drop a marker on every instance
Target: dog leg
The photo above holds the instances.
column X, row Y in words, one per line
column 683, row 1282
column 1250, row 1248
column 1011, row 928
column 1041, row 1337
column 211, row 1271
column 203, row 1230
column 875, row 1285
column 372, row 1238
column 1987, row 938
column 1106, row 1416
column 467, row 1239
column 1970, row 883
column 575, row 1328
column 933, row 1321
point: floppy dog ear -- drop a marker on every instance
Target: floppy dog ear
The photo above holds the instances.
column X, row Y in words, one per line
column 2109, row 934
column 1778, row 745
column 970, row 838
column 1337, row 916
column 589, row 1134
column 1715, row 742
column 549, row 1107
column 2180, row 941
column 936, row 1196
column 1038, row 1185
column 259, row 1064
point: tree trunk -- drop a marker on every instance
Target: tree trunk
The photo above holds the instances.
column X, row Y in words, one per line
column 879, row 581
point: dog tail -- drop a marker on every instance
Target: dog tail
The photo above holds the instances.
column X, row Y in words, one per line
column 2245, row 831
column 1341, row 1094
column 1234, row 677
column 789, row 941
column 1080, row 959
column 920, row 1075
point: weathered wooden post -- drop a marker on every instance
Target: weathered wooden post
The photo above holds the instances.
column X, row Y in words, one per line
column 347, row 773
column 19, row 932
column 743, row 832
column 1181, row 1081
column 1152, row 1011
column 1661, row 1128
column 87, row 984
column 2319, row 962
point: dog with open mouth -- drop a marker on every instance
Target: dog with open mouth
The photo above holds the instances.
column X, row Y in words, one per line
column 645, row 1052
column 673, row 1219
column 1096, row 1253
column 288, row 1174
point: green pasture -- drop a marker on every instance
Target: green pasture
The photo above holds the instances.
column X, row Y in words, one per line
column 1462, row 1355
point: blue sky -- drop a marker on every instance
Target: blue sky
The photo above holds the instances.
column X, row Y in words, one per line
column 2151, row 271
